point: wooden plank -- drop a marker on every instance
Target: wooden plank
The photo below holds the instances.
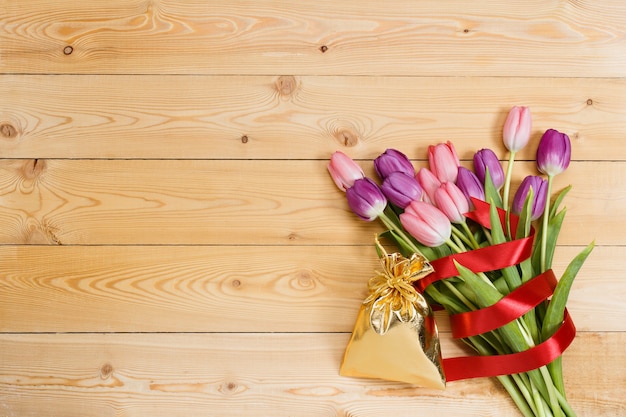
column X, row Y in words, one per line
column 234, row 289
column 260, row 374
column 531, row 38
column 297, row 117
column 236, row 202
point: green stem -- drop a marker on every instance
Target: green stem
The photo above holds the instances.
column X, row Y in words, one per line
column 522, row 385
column 507, row 181
column 473, row 243
column 554, row 401
column 544, row 226
column 565, row 405
column 454, row 246
column 520, row 400
column 460, row 296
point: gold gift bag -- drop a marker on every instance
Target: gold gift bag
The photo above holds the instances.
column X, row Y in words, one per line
column 395, row 336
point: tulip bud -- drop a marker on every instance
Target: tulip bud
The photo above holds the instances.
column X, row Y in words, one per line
column 452, row 202
column 540, row 190
column 470, row 185
column 365, row 199
column 516, row 131
column 426, row 223
column 429, row 183
column 553, row 153
column 393, row 161
column 401, row 189
column 344, row 171
column 444, row 161
column 486, row 158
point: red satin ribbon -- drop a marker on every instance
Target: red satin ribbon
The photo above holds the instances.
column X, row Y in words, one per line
column 466, row 367
column 510, row 307
column 515, row 304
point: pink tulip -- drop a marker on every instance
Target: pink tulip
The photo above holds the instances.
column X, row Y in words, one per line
column 429, row 183
column 452, row 202
column 426, row 223
column 344, row 170
column 516, row 131
column 444, row 161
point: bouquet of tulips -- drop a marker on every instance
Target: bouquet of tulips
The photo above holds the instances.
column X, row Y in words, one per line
column 498, row 284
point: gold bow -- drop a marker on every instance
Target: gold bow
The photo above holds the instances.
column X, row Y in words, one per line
column 392, row 291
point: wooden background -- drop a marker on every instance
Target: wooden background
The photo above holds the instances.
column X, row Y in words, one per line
column 171, row 243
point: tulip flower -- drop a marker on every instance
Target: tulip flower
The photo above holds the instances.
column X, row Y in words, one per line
column 426, row 223
column 470, row 185
column 452, row 202
column 365, row 199
column 429, row 183
column 486, row 159
column 516, row 131
column 344, row 171
column 393, row 161
column 444, row 161
column 515, row 134
column 553, row 156
column 553, row 153
column 401, row 189
column 539, row 187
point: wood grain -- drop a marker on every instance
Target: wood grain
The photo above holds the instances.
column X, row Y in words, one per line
column 287, row 117
column 530, row 38
column 258, row 374
column 218, row 289
column 236, row 202
column 171, row 243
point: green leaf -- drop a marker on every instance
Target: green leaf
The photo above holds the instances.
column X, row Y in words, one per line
column 450, row 303
column 556, row 307
column 510, row 273
column 523, row 226
column 557, row 201
column 492, row 195
column 554, row 228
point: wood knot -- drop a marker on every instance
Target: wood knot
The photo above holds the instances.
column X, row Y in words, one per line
column 33, row 168
column 231, row 388
column 245, row 139
column 323, row 48
column 106, row 371
column 589, row 102
column 68, row 50
column 8, row 131
column 346, row 137
column 286, row 85
column 305, row 280
column 236, row 283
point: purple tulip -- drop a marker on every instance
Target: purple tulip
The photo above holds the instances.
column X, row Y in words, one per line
column 486, row 158
column 401, row 189
column 516, row 131
column 393, row 161
column 365, row 199
column 343, row 170
column 470, row 185
column 540, row 190
column 426, row 223
column 553, row 153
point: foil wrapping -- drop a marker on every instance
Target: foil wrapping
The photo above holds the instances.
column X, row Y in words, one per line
column 395, row 336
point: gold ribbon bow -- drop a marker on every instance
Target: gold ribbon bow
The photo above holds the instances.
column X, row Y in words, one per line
column 392, row 291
